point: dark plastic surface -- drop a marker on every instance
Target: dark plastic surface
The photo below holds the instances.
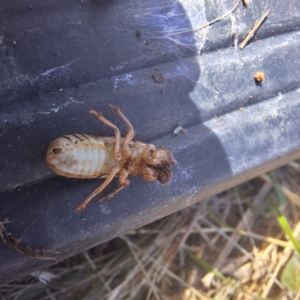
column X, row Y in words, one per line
column 61, row 58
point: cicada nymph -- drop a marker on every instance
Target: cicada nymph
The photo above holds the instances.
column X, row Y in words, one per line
column 89, row 156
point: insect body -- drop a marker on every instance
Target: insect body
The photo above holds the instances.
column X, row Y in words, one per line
column 88, row 156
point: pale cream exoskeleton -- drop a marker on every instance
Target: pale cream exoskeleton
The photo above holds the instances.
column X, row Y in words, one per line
column 89, row 156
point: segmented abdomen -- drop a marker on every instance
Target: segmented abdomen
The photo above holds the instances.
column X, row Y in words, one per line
column 77, row 155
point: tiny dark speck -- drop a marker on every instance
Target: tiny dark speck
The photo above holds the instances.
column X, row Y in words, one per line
column 138, row 34
column 56, row 150
column 159, row 78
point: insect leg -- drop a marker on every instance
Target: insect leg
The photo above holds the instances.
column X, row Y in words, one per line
column 123, row 182
column 99, row 116
column 97, row 191
column 14, row 243
column 130, row 133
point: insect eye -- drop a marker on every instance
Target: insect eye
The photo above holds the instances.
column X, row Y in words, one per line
column 56, row 150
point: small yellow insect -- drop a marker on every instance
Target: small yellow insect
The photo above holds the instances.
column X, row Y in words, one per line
column 88, row 156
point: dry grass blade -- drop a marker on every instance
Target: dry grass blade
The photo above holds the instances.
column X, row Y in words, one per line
column 286, row 255
column 246, row 222
column 294, row 165
column 157, row 249
column 174, row 250
column 250, row 35
column 211, row 22
column 150, row 283
column 289, row 194
column 268, row 239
